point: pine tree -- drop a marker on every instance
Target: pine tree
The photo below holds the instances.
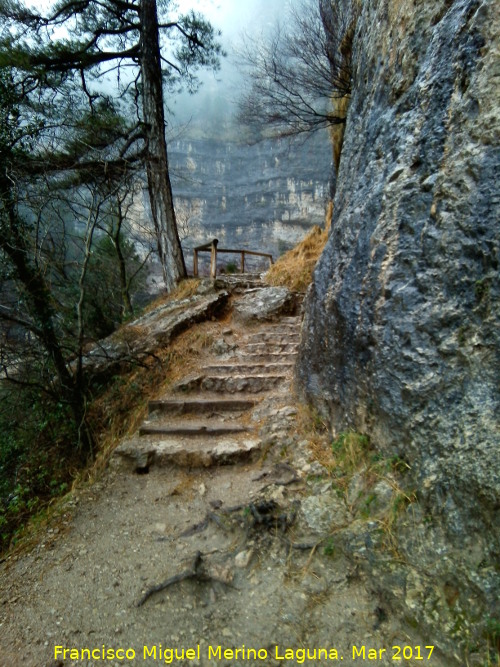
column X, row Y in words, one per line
column 104, row 36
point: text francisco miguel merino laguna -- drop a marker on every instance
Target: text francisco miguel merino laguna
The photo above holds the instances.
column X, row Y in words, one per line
column 169, row 655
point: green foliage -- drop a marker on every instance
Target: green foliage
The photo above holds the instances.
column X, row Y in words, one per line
column 104, row 308
column 463, row 335
column 350, row 449
column 202, row 51
column 368, row 500
column 66, row 149
column 231, row 268
column 36, row 443
column 482, row 292
column 492, row 634
column 397, row 464
column 98, row 127
column 482, row 289
column 329, row 548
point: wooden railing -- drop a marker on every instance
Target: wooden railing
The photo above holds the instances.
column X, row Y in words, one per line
column 215, row 251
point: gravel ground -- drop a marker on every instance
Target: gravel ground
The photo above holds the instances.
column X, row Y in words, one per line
column 80, row 586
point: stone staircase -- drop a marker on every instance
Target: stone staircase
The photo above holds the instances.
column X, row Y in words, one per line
column 206, row 419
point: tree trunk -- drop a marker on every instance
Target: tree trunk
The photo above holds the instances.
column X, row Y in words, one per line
column 160, row 189
column 127, row 309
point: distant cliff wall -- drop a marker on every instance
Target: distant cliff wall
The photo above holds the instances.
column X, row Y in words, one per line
column 264, row 196
column 401, row 338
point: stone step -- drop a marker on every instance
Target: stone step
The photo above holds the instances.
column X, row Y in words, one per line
column 141, row 453
column 295, row 320
column 190, row 428
column 178, row 406
column 277, row 337
column 270, row 348
column 239, row 283
column 232, row 383
column 288, row 358
column 252, row 368
column 274, row 327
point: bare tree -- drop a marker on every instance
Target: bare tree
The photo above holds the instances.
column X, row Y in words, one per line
column 117, row 228
column 299, row 69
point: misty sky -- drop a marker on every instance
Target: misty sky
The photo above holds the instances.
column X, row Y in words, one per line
column 234, row 18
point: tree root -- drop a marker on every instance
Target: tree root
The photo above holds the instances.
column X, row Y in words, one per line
column 195, row 571
column 203, row 525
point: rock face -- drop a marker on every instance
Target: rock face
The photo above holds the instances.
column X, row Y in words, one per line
column 401, row 336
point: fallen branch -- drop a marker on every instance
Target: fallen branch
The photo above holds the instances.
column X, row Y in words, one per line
column 311, row 546
column 281, row 474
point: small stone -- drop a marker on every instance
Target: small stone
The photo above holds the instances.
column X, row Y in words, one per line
column 385, row 493
column 314, row 585
column 160, row 527
column 278, row 494
column 356, row 487
column 243, row 558
column 321, row 513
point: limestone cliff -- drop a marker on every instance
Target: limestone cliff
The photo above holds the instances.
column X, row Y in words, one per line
column 264, row 196
column 401, row 336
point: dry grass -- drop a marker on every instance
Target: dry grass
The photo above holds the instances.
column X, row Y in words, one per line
column 310, row 425
column 294, row 269
column 119, row 411
column 352, row 454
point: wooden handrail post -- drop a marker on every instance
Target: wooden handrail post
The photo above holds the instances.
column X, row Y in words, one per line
column 212, row 247
column 213, row 259
column 195, row 264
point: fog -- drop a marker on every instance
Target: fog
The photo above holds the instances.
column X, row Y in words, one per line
column 232, row 16
column 212, row 108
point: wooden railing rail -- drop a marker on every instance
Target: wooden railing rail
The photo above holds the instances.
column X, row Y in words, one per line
column 212, row 247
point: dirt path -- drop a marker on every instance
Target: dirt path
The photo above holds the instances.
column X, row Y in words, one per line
column 250, row 539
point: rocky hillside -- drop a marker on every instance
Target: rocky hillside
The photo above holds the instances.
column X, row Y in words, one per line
column 402, row 327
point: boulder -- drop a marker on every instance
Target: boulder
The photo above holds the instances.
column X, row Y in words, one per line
column 265, row 304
